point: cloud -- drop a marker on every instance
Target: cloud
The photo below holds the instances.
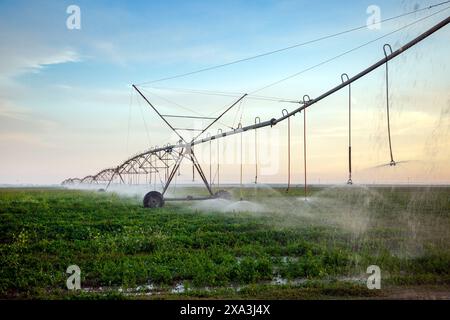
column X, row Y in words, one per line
column 60, row 57
column 23, row 53
column 15, row 61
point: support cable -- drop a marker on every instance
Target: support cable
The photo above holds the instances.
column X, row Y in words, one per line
column 219, row 131
column 210, row 159
column 285, row 112
column 221, row 115
column 344, row 78
column 241, row 169
column 219, row 93
column 157, row 112
column 290, row 47
column 145, row 122
column 386, row 48
column 344, row 53
column 257, row 120
column 306, row 101
column 193, row 167
column 199, row 115
column 129, row 116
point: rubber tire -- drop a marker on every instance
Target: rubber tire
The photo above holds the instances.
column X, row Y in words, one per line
column 153, row 199
column 223, row 194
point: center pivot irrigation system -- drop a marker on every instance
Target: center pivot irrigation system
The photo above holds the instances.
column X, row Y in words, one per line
column 162, row 163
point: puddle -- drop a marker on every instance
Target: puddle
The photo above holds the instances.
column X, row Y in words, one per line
column 179, row 288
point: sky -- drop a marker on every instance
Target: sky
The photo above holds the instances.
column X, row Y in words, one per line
column 67, row 108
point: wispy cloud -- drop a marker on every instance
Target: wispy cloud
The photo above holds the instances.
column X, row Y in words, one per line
column 15, row 61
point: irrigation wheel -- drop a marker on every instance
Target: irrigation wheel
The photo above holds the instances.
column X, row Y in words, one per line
column 223, row 194
column 153, row 199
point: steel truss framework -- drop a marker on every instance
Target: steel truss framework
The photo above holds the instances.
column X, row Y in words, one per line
column 162, row 163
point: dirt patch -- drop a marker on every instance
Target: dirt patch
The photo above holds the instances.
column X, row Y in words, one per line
column 418, row 293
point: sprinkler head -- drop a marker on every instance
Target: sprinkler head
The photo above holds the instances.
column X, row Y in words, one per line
column 350, row 182
column 392, row 163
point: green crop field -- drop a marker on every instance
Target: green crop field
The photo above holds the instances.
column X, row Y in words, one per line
column 272, row 245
